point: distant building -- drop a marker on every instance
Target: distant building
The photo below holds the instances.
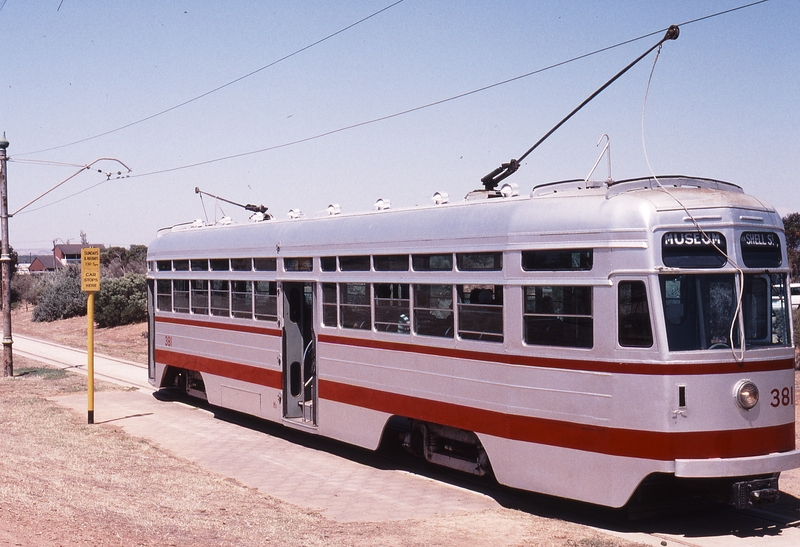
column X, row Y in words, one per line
column 67, row 253
column 42, row 263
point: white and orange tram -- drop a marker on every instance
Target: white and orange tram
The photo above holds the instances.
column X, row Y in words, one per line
column 580, row 341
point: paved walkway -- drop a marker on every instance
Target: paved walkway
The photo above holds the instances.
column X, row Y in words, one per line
column 337, row 487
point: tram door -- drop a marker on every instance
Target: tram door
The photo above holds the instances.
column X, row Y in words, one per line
column 299, row 355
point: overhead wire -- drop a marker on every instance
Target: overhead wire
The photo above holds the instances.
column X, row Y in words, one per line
column 388, row 116
column 218, row 88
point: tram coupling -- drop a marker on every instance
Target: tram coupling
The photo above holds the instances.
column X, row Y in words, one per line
column 754, row 492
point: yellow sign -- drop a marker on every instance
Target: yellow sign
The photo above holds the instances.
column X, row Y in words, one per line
column 90, row 269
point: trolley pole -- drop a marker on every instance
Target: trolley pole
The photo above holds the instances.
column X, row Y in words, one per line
column 5, row 258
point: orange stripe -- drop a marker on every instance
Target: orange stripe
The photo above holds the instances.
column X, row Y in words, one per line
column 235, row 371
column 653, row 445
column 220, row 326
column 658, row 369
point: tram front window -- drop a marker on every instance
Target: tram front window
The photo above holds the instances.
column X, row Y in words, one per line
column 699, row 310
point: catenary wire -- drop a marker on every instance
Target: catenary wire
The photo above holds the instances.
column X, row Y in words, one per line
column 219, row 88
column 407, row 111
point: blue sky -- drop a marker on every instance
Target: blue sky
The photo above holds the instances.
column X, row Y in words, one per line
column 722, row 103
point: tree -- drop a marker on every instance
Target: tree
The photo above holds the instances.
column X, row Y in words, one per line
column 791, row 225
column 118, row 261
column 62, row 296
column 121, row 301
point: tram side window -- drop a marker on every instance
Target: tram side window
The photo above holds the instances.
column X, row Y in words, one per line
column 304, row 264
column 479, row 262
column 557, row 260
column 199, row 296
column 242, row 299
column 354, row 263
column 390, row 263
column 392, row 307
column 433, row 310
column 220, row 298
column 354, row 306
column 164, row 265
column 265, row 264
column 327, row 263
column 559, row 316
column 633, row 314
column 480, row 312
column 220, row 264
column 199, row 265
column 164, row 295
column 265, row 298
column 180, row 265
column 329, row 305
column 242, row 264
column 428, row 263
column 180, row 295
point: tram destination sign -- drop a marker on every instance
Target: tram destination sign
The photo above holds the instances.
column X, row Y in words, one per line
column 694, row 249
column 90, row 269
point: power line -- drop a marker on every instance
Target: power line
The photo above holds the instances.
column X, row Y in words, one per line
column 223, row 86
column 441, row 101
column 415, row 109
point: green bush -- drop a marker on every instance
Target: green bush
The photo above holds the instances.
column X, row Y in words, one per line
column 121, row 300
column 61, row 297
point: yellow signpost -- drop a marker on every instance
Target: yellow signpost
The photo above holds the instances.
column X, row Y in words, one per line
column 90, row 283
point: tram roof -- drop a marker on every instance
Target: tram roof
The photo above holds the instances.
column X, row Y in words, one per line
column 557, row 213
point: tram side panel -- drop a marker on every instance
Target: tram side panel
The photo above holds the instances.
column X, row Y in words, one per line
column 240, row 370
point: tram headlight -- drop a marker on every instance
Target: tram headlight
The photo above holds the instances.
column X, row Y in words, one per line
column 746, row 394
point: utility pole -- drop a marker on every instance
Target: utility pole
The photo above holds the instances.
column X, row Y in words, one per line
column 5, row 258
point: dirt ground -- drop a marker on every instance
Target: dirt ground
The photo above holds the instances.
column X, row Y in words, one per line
column 63, row 482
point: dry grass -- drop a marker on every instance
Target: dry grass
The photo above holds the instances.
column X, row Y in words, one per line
column 63, row 482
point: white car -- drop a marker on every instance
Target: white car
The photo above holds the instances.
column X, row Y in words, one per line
column 795, row 295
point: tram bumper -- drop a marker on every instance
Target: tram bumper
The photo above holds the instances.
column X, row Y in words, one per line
column 761, row 486
column 737, row 467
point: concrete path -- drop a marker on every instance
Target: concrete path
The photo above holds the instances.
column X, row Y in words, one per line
column 337, row 487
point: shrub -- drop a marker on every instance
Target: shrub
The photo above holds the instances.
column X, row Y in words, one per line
column 26, row 289
column 121, row 300
column 61, row 297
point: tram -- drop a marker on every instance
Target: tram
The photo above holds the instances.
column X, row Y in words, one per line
column 583, row 341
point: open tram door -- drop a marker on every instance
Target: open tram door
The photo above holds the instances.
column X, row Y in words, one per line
column 299, row 353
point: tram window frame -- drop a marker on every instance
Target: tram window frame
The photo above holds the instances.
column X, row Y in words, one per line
column 634, row 322
column 430, row 320
column 436, row 262
column 242, row 299
column 480, row 312
column 479, row 262
column 298, row 264
column 241, row 264
column 164, row 295
column 557, row 260
column 355, row 263
column 265, row 300
column 180, row 296
column 220, row 265
column 558, row 315
column 220, row 299
column 198, row 264
column 392, row 307
column 198, row 296
column 265, row 264
column 355, row 309
column 327, row 263
column 761, row 249
column 390, row 263
column 330, row 305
